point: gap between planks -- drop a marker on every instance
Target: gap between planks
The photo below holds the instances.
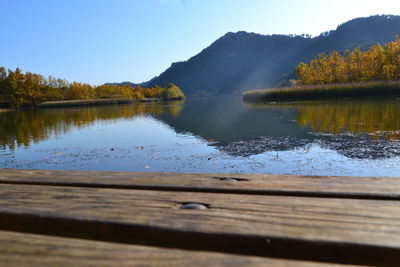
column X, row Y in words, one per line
column 21, row 249
column 278, row 185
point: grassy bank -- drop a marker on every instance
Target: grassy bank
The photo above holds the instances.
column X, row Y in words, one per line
column 94, row 102
column 327, row 91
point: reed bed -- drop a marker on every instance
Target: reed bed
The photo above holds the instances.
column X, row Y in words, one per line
column 94, row 102
column 327, row 91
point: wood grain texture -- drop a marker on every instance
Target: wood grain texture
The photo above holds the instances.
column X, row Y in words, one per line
column 18, row 249
column 283, row 185
column 321, row 229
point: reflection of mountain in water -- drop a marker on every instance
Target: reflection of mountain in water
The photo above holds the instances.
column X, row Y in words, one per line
column 226, row 120
column 357, row 129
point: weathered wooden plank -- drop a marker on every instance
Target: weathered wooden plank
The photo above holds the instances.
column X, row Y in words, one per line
column 21, row 249
column 334, row 230
column 286, row 185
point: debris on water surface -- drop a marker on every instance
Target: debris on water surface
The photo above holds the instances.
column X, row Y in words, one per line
column 246, row 148
column 363, row 146
column 352, row 146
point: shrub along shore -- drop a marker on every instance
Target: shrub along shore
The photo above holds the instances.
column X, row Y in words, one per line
column 326, row 91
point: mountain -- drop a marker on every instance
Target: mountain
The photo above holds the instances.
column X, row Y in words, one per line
column 241, row 61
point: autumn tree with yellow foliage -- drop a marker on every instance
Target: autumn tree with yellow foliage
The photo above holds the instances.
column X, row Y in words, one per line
column 376, row 64
column 18, row 89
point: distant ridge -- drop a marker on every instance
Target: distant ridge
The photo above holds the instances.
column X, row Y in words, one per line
column 241, row 61
column 126, row 83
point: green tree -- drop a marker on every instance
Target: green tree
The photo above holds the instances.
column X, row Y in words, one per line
column 3, row 80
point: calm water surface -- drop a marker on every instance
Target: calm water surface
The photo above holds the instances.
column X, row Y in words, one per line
column 209, row 135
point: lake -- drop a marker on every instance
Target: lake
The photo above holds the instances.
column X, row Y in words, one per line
column 222, row 135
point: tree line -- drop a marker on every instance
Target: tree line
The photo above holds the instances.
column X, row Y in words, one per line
column 378, row 63
column 18, row 89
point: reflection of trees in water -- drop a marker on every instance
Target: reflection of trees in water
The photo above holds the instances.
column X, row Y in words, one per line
column 375, row 124
column 379, row 119
column 363, row 129
column 24, row 127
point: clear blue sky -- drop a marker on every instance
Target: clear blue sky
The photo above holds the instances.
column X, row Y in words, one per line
column 100, row 41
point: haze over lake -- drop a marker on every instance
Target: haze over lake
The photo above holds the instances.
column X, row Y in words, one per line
column 358, row 137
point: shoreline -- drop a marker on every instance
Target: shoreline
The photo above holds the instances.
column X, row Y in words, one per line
column 95, row 102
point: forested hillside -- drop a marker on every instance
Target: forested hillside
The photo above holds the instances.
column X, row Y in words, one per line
column 241, row 61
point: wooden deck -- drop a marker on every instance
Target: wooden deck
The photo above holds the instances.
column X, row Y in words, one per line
column 78, row 218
